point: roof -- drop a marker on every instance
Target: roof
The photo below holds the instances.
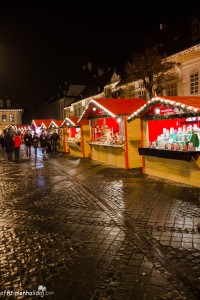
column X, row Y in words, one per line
column 181, row 106
column 55, row 123
column 46, row 122
column 111, row 107
column 70, row 122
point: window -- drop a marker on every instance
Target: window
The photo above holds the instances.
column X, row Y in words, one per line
column 171, row 89
column 194, row 83
column 1, row 103
column 11, row 118
column 3, row 118
column 142, row 94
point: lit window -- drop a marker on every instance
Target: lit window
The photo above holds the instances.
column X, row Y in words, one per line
column 11, row 118
column 3, row 118
column 194, row 83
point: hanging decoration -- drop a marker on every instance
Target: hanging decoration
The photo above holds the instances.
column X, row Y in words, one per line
column 178, row 109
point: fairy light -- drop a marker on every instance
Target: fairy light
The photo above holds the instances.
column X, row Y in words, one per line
column 93, row 102
column 166, row 102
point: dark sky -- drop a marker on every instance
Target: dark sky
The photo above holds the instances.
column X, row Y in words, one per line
column 42, row 43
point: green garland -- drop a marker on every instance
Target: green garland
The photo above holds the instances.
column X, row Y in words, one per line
column 187, row 113
column 166, row 117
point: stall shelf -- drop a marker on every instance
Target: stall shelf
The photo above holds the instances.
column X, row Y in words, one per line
column 112, row 140
column 170, row 135
column 73, row 137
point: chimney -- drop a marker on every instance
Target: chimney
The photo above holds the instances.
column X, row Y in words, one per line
column 162, row 26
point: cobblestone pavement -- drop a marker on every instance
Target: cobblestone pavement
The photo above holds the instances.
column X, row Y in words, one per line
column 76, row 229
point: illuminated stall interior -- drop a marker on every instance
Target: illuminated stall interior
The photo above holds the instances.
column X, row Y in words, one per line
column 71, row 133
column 171, row 138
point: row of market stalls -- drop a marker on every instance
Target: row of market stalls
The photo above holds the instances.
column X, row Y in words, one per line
column 161, row 136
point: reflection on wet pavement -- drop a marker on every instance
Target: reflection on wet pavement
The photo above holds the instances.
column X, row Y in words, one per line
column 84, row 230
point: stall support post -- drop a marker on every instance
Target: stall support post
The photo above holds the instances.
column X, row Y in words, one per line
column 64, row 140
column 126, row 143
column 142, row 140
column 82, row 142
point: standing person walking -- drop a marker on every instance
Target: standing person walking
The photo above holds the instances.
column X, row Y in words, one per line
column 43, row 143
column 49, row 148
column 17, row 143
column 2, row 141
column 9, row 145
column 35, row 143
column 28, row 142
column 55, row 138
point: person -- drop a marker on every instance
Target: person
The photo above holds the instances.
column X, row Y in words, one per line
column 35, row 143
column 54, row 139
column 43, row 143
column 28, row 142
column 49, row 149
column 17, row 143
column 2, row 141
column 9, row 145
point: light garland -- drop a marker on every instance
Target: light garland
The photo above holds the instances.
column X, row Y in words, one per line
column 69, row 121
column 188, row 111
column 93, row 102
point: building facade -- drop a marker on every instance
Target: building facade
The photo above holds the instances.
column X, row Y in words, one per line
column 10, row 114
column 181, row 43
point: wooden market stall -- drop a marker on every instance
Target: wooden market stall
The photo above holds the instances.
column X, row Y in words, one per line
column 170, row 135
column 112, row 140
column 73, row 137
column 54, row 125
column 37, row 125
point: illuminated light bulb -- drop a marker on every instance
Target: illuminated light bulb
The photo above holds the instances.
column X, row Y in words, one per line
column 94, row 109
column 157, row 111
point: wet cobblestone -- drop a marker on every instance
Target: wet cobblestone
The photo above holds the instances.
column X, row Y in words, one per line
column 85, row 230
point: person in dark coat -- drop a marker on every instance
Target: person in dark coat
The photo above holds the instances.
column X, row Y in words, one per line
column 35, row 143
column 2, row 141
column 28, row 143
column 9, row 145
column 43, row 143
column 54, row 139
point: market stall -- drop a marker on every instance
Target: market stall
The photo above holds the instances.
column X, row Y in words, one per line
column 74, row 137
column 170, row 135
column 54, row 126
column 37, row 125
column 112, row 140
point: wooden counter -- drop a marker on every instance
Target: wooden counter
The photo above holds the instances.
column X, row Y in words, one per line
column 179, row 166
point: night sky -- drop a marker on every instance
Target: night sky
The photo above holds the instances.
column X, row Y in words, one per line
column 42, row 43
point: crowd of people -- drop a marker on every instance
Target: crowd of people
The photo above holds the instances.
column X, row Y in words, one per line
column 11, row 142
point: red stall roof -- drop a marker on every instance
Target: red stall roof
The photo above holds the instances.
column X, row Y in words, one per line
column 73, row 121
column 111, row 107
column 41, row 122
column 55, row 123
column 183, row 106
column 46, row 123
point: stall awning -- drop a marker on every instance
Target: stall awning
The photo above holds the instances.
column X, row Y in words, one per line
column 168, row 107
